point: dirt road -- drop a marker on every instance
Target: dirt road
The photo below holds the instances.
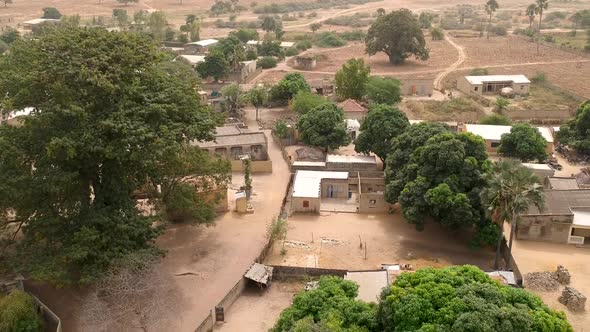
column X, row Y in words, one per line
column 462, row 57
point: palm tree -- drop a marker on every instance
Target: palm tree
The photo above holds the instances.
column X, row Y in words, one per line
column 531, row 12
column 491, row 7
column 512, row 189
column 541, row 6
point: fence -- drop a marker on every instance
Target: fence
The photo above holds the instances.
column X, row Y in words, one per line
column 286, row 272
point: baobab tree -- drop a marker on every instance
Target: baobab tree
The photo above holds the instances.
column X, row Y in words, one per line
column 541, row 6
column 491, row 7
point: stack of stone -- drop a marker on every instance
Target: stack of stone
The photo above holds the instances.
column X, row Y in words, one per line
column 572, row 299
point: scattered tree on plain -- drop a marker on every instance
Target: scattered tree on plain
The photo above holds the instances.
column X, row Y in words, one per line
column 315, row 26
column 425, row 20
column 288, row 87
column 398, row 34
column 324, row 127
column 531, row 12
column 98, row 133
column 490, row 8
column 384, row 90
column 245, row 35
column 215, row 65
column 379, row 128
column 524, row 142
column 511, row 189
column 51, row 13
column 157, row 25
column 257, row 96
column 541, row 6
column 192, row 27
column 464, row 11
column 352, row 78
column 437, row 33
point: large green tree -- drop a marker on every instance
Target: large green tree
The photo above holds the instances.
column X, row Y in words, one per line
column 324, row 127
column 332, row 306
column 384, row 90
column 215, row 65
column 434, row 172
column 511, row 190
column 462, row 298
column 105, row 116
column 304, row 101
column 576, row 132
column 288, row 87
column 352, row 78
column 398, row 34
column 257, row 96
column 383, row 123
column 524, row 142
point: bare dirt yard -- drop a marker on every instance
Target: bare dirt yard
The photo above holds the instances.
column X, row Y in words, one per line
column 256, row 310
column 540, row 256
column 332, row 240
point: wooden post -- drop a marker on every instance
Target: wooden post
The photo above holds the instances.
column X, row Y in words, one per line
column 365, row 250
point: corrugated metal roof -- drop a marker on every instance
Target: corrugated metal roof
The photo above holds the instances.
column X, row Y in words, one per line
column 357, row 159
column 287, row 44
column 234, row 140
column 543, row 167
column 494, row 133
column 259, row 273
column 517, row 79
column 307, row 183
column 561, row 183
column 205, row 42
column 194, row 59
column 560, row 202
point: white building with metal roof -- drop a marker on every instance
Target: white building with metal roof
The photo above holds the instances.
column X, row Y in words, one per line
column 492, row 84
column 492, row 134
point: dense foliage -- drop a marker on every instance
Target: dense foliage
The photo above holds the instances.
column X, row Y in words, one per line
column 267, row 62
column 18, row 313
column 576, row 132
column 324, row 127
column 524, row 142
column 305, row 101
column 458, row 298
column 496, row 120
column 215, row 65
column 382, row 124
column 351, row 80
column 288, row 87
column 330, row 307
column 463, row 298
column 106, row 118
column 384, row 90
column 398, row 34
column 432, row 171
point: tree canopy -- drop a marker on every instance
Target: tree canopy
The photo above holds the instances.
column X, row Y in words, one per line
column 215, row 65
column 18, row 312
column 51, row 13
column 324, row 127
column 576, row 132
column 384, row 90
column 288, row 87
column 434, row 172
column 330, row 307
column 382, row 124
column 457, row 298
column 463, row 298
column 524, row 142
column 304, row 101
column 245, row 35
column 398, row 34
column 106, row 117
column 352, row 78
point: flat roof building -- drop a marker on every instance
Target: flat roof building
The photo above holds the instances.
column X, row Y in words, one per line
column 356, row 163
column 194, row 60
column 232, row 142
column 493, row 84
column 200, row 47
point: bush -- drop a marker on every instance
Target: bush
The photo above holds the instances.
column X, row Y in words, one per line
column 478, row 72
column 267, row 62
column 539, row 77
column 354, row 35
column 18, row 312
column 292, row 51
column 496, row 119
column 251, row 55
column 498, row 30
column 358, row 20
column 329, row 39
column 437, row 33
column 281, row 130
column 303, row 45
column 305, row 101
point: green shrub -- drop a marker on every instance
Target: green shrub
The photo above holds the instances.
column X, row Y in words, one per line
column 478, row 72
column 357, row 20
column 354, row 35
column 437, row 33
column 305, row 101
column 539, row 77
column 292, row 51
column 267, row 62
column 303, row 45
column 18, row 312
column 329, row 39
column 251, row 55
column 496, row 119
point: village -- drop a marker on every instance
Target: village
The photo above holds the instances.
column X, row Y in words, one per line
column 327, row 160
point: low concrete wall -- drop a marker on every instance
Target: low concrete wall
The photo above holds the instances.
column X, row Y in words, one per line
column 258, row 166
column 554, row 228
column 513, row 263
column 52, row 321
column 207, row 324
column 285, row 272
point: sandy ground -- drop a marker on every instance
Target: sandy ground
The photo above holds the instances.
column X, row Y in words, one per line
column 257, row 310
column 389, row 239
column 540, row 256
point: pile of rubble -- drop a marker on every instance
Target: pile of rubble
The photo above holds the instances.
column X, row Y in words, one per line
column 542, row 281
column 572, row 299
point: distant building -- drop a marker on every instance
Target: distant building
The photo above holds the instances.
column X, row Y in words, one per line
column 247, row 71
column 31, row 24
column 193, row 60
column 493, row 134
column 358, row 163
column 561, row 183
column 564, row 219
column 200, row 47
column 493, row 84
column 417, row 86
column 353, row 110
column 287, row 45
column 233, row 143
column 360, row 192
column 541, row 170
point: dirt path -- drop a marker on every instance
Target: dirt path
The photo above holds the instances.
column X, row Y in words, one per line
column 462, row 57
